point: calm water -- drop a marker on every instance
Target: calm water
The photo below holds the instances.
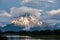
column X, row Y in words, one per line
column 17, row 37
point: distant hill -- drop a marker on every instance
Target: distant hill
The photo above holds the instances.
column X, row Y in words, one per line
column 12, row 27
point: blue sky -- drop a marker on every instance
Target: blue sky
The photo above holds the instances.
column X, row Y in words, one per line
column 46, row 10
column 7, row 4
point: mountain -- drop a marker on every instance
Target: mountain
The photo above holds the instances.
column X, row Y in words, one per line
column 12, row 27
column 28, row 22
column 57, row 26
column 17, row 28
column 0, row 29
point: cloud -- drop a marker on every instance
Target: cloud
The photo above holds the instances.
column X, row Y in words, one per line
column 26, row 1
column 15, row 12
column 52, row 1
column 32, row 7
column 5, row 18
column 4, row 13
column 54, row 12
column 51, row 17
column 39, row 4
column 35, row 1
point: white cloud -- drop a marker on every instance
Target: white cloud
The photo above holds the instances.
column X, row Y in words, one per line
column 54, row 12
column 39, row 4
column 4, row 13
column 51, row 17
column 36, row 1
column 30, row 1
column 26, row 1
column 52, row 1
column 15, row 12
column 5, row 18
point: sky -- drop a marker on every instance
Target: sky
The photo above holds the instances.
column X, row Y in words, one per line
column 45, row 10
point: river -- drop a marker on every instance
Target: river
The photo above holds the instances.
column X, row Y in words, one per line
column 17, row 37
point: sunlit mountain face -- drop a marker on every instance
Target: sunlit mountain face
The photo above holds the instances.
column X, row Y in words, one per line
column 27, row 21
column 30, row 22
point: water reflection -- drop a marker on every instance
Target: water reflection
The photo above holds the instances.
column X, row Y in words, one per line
column 15, row 37
column 3, row 38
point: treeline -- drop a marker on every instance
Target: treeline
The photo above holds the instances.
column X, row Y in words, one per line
column 43, row 32
column 35, row 34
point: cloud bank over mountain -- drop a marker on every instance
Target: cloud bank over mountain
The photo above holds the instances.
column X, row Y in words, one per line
column 15, row 12
column 45, row 10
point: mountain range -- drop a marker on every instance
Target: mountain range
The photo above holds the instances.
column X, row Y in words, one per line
column 16, row 28
column 29, row 23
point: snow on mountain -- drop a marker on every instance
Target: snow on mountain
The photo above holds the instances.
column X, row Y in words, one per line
column 17, row 28
column 31, row 23
column 28, row 22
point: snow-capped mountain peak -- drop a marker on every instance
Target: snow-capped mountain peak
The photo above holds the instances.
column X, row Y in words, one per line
column 29, row 21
